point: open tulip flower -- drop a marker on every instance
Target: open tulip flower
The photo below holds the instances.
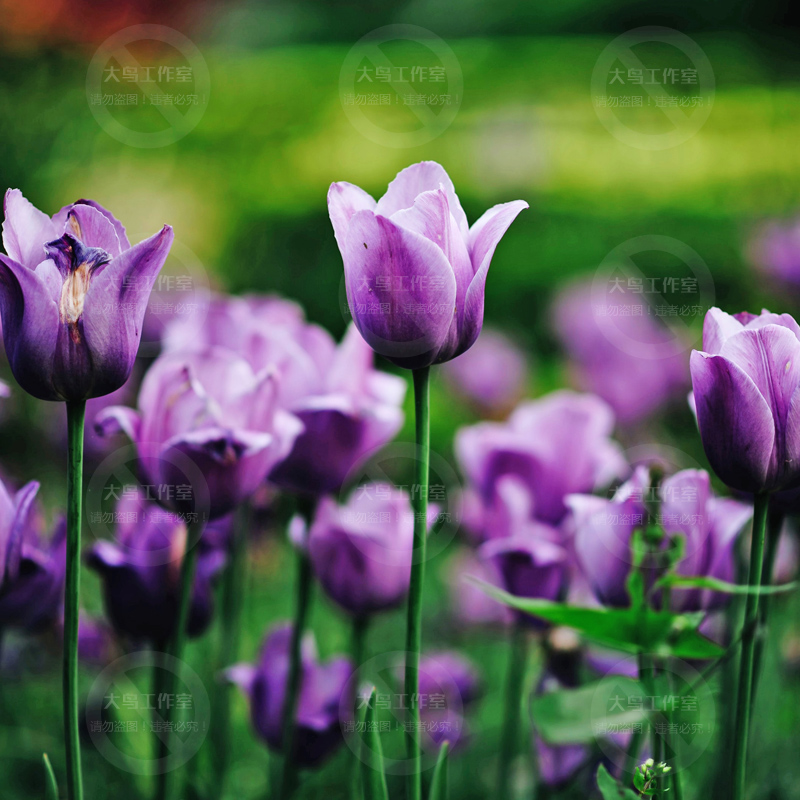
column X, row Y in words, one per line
column 748, row 410
column 31, row 570
column 347, row 407
column 317, row 727
column 415, row 272
column 73, row 294
column 206, row 415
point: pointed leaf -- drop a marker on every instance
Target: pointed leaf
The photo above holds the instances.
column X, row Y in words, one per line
column 571, row 716
column 611, row 789
column 439, row 789
column 628, row 629
column 705, row 582
column 51, row 786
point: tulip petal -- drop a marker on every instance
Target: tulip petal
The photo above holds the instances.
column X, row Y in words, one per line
column 118, row 419
column 388, row 265
column 735, row 422
column 413, row 181
column 770, row 355
column 727, row 518
column 483, row 239
column 30, row 328
column 717, row 327
column 93, row 229
column 344, row 200
column 114, row 309
column 25, row 229
column 117, row 225
column 23, row 502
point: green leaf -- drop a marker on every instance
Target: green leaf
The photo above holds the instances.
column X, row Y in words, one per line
column 372, row 774
column 628, row 629
column 439, row 783
column 568, row 716
column 51, row 786
column 701, row 582
column 611, row 789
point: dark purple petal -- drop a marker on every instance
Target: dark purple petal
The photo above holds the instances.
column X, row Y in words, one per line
column 25, row 230
column 735, row 422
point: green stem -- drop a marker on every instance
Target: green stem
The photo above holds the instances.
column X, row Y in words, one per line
column 775, row 521
column 422, row 406
column 75, row 416
column 304, row 584
column 233, row 588
column 188, row 570
column 360, row 626
column 509, row 745
column 749, row 629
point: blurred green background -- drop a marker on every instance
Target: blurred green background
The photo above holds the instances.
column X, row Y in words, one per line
column 245, row 191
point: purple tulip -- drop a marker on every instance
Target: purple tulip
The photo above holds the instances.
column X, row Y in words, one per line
column 744, row 390
column 317, row 732
column 492, row 374
column 531, row 564
column 361, row 552
column 634, row 385
column 775, row 250
column 348, row 408
column 73, row 294
column 555, row 446
column 356, row 410
column 140, row 572
column 708, row 525
column 33, row 570
column 602, row 536
column 207, row 421
column 558, row 764
column 415, row 272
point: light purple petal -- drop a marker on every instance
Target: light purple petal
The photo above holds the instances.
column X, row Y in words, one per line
column 344, row 199
column 386, row 264
column 93, row 229
column 717, row 327
column 26, row 230
column 412, row 182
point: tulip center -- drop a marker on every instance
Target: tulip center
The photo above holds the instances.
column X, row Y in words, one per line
column 77, row 263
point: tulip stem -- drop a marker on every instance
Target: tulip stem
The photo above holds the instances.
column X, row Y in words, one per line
column 75, row 416
column 304, row 584
column 230, row 635
column 775, row 519
column 509, row 745
column 188, row 570
column 422, row 407
column 749, row 631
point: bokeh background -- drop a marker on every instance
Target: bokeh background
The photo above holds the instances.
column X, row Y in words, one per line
column 245, row 191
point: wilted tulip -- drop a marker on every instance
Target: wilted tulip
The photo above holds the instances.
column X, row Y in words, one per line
column 32, row 570
column 361, row 552
column 205, row 420
column 140, row 572
column 317, row 728
column 415, row 272
column 73, row 294
column 748, row 410
column 555, row 446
